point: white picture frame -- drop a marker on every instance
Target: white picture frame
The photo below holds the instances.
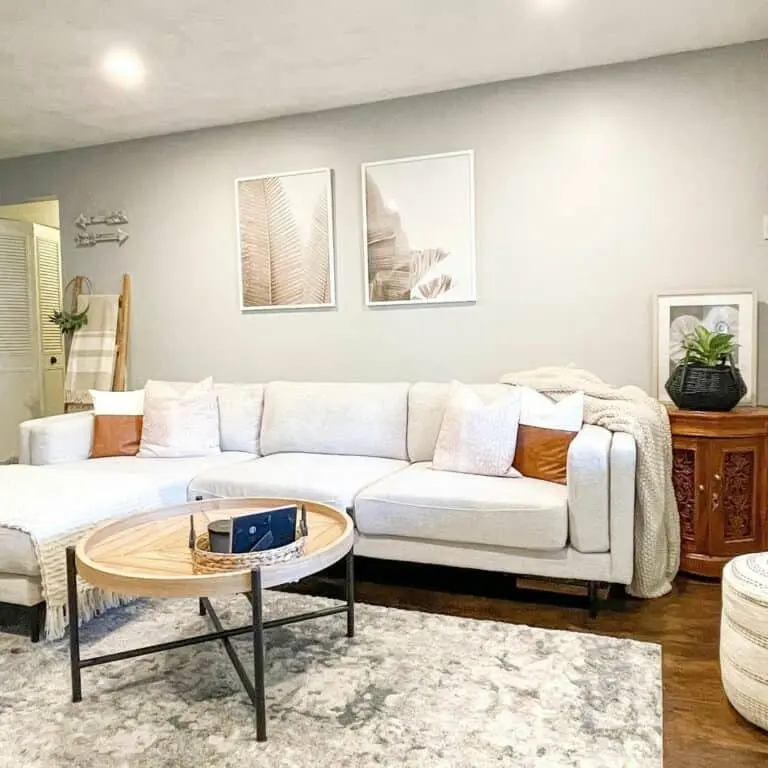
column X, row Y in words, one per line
column 730, row 311
column 419, row 230
column 285, row 238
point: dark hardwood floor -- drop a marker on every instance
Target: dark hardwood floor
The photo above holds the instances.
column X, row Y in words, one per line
column 701, row 730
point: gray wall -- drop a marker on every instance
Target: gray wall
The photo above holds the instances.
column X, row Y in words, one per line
column 595, row 190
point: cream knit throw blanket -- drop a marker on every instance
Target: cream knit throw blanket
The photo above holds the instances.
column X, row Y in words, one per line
column 629, row 409
column 55, row 508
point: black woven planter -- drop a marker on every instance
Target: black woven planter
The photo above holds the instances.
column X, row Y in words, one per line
column 695, row 387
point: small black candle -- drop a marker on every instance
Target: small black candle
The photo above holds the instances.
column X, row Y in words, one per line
column 219, row 535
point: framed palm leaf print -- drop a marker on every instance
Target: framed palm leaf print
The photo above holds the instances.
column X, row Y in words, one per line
column 285, row 238
column 419, row 230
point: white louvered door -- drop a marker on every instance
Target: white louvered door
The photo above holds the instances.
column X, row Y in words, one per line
column 19, row 379
column 48, row 262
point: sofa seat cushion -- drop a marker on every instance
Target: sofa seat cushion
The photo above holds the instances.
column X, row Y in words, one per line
column 424, row 503
column 170, row 477
column 334, row 480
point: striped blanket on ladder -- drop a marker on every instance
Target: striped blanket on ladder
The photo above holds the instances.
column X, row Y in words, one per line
column 91, row 362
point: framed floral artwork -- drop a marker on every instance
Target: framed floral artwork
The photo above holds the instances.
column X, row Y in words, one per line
column 678, row 315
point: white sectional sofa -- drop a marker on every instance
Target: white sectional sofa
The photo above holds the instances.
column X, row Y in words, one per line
column 368, row 448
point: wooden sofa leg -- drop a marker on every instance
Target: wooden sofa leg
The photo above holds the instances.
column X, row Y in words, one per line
column 36, row 621
column 594, row 599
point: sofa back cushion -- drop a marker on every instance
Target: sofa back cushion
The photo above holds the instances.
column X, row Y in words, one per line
column 426, row 406
column 240, row 411
column 343, row 419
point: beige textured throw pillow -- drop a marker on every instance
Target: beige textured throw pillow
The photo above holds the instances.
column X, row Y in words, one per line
column 476, row 438
column 180, row 426
column 158, row 388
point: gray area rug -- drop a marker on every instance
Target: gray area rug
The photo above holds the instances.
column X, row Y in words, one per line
column 411, row 689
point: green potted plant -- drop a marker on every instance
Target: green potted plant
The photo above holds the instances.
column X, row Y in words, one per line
column 69, row 322
column 707, row 378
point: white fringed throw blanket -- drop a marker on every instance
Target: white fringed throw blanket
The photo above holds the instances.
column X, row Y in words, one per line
column 56, row 508
column 629, row 409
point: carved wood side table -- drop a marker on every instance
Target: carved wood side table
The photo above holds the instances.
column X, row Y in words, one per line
column 720, row 473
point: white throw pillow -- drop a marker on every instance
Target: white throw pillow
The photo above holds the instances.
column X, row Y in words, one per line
column 537, row 410
column 185, row 425
column 117, row 403
column 476, row 438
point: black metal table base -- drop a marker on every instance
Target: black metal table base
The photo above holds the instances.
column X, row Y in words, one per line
column 254, row 687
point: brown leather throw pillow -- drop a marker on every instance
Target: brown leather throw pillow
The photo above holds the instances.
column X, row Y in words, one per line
column 116, row 436
column 117, row 423
column 543, row 453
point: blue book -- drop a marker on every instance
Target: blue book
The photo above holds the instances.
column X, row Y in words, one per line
column 265, row 529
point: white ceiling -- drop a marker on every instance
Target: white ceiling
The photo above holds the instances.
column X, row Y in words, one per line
column 213, row 63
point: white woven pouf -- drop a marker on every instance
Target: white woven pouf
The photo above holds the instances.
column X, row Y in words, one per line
column 744, row 636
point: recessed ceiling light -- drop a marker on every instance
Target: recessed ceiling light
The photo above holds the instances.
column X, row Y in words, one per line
column 123, row 67
column 551, row 5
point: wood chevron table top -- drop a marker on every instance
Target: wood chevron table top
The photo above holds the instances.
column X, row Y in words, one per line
column 148, row 554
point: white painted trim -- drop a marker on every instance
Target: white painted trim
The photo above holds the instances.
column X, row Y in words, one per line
column 658, row 385
column 331, row 244
column 25, row 364
column 415, row 158
column 39, row 231
column 470, row 153
column 285, row 173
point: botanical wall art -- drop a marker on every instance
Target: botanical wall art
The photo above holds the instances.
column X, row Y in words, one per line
column 285, row 230
column 419, row 230
column 729, row 312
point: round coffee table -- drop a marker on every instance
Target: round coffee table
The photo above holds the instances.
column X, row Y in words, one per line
column 149, row 555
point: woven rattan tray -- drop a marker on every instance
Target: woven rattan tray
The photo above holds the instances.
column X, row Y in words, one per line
column 205, row 561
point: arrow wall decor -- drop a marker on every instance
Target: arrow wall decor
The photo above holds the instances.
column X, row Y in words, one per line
column 110, row 219
column 89, row 239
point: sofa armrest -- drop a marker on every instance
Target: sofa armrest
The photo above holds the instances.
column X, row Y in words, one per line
column 588, row 490
column 56, row 439
column 623, row 464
